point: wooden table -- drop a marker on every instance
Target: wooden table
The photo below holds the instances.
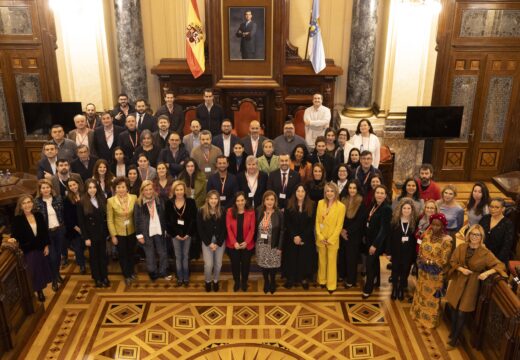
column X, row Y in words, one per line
column 18, row 184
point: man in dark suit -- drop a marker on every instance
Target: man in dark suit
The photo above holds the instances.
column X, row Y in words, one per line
column 47, row 165
column 106, row 138
column 209, row 114
column 253, row 141
column 84, row 163
column 93, row 119
column 160, row 137
column 128, row 140
column 173, row 111
column 283, row 181
column 121, row 111
column 174, row 155
column 226, row 140
column 247, row 34
column 223, row 182
column 143, row 118
column 63, row 174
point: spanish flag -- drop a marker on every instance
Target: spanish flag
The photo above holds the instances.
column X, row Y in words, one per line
column 195, row 41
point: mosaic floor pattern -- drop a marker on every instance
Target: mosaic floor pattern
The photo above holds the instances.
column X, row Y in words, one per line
column 158, row 321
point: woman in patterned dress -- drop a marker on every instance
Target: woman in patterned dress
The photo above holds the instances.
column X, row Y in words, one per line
column 432, row 262
column 270, row 235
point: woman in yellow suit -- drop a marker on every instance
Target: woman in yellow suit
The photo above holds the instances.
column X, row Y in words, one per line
column 120, row 219
column 329, row 222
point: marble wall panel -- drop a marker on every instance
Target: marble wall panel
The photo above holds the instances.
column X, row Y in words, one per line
column 15, row 20
column 497, row 106
column 490, row 23
column 464, row 88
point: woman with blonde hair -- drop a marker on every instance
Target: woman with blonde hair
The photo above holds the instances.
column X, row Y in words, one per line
column 470, row 263
column 211, row 226
column 31, row 232
column 401, row 245
column 50, row 206
column 268, row 162
column 181, row 217
column 150, row 231
column 329, row 223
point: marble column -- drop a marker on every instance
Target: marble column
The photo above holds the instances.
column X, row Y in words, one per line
column 361, row 60
column 130, row 45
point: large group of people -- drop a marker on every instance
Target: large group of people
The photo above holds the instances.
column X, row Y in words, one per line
column 312, row 209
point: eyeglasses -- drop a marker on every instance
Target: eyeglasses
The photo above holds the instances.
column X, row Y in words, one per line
column 475, row 234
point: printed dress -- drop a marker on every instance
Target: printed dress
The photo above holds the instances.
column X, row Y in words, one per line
column 432, row 262
column 267, row 256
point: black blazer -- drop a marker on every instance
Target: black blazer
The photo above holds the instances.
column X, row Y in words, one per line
column 210, row 120
column 278, row 232
column 218, row 141
column 142, row 218
column 176, row 117
column 234, row 167
column 125, row 140
column 159, row 141
column 230, row 188
column 22, row 232
column 261, row 187
column 379, row 227
column 94, row 225
column 327, row 161
column 147, row 123
column 212, row 227
column 100, row 143
column 356, row 226
column 44, row 166
column 189, row 216
column 275, row 183
column 76, row 166
column 175, row 164
column 299, row 224
column 397, row 248
column 500, row 239
column 121, row 122
column 152, row 155
column 248, row 147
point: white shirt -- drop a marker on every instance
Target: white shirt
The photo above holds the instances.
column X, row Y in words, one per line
column 371, row 144
column 120, row 170
column 109, row 136
column 254, row 145
column 341, row 185
column 319, row 121
column 94, row 202
column 53, row 165
column 155, row 225
column 227, row 144
column 81, row 139
column 51, row 214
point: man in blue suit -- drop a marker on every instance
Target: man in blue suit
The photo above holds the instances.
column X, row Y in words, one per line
column 247, row 34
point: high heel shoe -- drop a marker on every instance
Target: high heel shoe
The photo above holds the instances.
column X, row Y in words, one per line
column 55, row 285
column 400, row 294
column 394, row 293
column 41, row 296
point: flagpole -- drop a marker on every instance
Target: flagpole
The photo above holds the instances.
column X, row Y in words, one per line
column 308, row 36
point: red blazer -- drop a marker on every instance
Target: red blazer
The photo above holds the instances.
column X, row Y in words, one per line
column 249, row 229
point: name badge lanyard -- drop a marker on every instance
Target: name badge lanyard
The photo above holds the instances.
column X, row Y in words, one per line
column 251, row 186
column 151, row 208
column 134, row 144
column 362, row 147
column 180, row 214
column 146, row 174
column 223, row 184
column 405, row 230
column 266, row 221
column 372, row 211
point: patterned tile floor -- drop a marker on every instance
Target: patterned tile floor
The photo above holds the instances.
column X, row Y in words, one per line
column 158, row 321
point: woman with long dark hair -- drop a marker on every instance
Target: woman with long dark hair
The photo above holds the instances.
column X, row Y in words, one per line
column 195, row 181
column 32, row 234
column 410, row 190
column 134, row 180
column 103, row 176
column 300, row 247
column 352, row 232
column 73, row 230
column 300, row 162
column 240, row 225
column 92, row 216
column 119, row 166
column 478, row 203
column 377, row 229
column 353, row 163
column 163, row 182
column 237, row 159
column 319, row 155
column 316, row 185
column 330, row 142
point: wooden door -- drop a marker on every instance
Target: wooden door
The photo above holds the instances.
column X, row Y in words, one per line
column 487, row 86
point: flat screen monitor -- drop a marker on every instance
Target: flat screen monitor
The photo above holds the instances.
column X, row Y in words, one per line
column 442, row 122
column 39, row 117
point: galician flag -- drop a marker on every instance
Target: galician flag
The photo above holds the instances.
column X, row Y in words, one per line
column 316, row 51
column 195, row 41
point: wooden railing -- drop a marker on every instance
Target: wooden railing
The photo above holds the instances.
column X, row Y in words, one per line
column 496, row 327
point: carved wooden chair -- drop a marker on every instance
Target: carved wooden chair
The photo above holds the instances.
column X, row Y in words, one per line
column 299, row 125
column 189, row 114
column 245, row 111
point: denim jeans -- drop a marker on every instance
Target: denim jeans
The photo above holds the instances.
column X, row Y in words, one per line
column 56, row 239
column 212, row 262
column 182, row 257
column 154, row 244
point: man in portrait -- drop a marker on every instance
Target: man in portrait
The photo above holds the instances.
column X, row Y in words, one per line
column 247, row 34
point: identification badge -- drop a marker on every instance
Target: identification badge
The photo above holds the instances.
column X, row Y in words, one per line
column 322, row 226
column 282, row 196
column 263, row 236
column 207, row 169
column 127, row 222
column 368, row 224
column 180, row 222
column 222, row 198
column 404, row 239
column 251, row 195
column 192, row 193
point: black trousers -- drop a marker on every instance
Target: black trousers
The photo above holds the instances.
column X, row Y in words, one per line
column 401, row 265
column 341, row 265
column 240, row 264
column 373, row 272
column 126, row 248
column 351, row 256
column 98, row 260
column 298, row 262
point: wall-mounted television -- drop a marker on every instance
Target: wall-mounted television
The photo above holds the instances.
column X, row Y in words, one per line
column 441, row 122
column 40, row 116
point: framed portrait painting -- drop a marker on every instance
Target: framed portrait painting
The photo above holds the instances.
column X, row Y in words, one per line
column 248, row 26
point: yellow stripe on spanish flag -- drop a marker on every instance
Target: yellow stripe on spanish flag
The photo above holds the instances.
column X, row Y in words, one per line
column 195, row 41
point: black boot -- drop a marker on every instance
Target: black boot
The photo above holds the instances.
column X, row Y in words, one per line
column 400, row 293
column 459, row 327
column 55, row 285
column 272, row 281
column 208, row 286
column 265, row 273
column 394, row 292
column 41, row 296
column 215, row 286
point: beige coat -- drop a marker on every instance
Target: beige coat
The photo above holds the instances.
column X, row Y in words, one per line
column 463, row 289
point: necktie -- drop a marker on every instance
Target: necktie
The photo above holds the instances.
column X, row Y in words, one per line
column 140, row 120
column 284, row 182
